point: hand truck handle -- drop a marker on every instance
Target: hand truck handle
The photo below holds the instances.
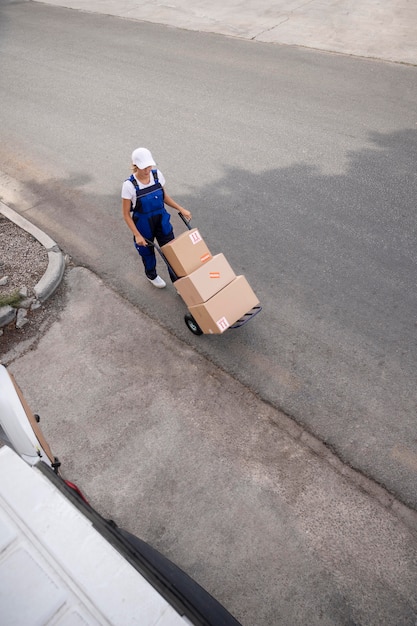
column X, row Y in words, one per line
column 186, row 222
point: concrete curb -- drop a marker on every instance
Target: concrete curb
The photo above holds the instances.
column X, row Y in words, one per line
column 53, row 276
column 7, row 315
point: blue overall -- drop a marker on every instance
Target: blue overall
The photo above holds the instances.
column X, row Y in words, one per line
column 152, row 221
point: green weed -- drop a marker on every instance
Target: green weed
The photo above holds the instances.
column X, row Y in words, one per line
column 11, row 299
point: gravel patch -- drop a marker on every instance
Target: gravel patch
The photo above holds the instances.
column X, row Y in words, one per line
column 23, row 260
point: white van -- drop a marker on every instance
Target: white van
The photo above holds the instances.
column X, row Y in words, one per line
column 61, row 563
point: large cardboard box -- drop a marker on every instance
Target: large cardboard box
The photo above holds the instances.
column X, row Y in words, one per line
column 187, row 252
column 206, row 281
column 225, row 308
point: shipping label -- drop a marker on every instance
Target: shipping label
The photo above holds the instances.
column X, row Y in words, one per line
column 222, row 324
column 195, row 237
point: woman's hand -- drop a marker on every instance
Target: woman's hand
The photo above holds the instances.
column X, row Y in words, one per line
column 140, row 241
column 186, row 214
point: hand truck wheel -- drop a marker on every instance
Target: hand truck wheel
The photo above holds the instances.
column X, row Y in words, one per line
column 192, row 324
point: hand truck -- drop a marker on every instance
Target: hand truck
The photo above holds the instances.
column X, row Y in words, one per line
column 188, row 318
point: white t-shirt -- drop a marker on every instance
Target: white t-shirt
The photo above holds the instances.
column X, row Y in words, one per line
column 129, row 190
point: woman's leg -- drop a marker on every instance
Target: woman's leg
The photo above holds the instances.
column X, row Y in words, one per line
column 164, row 233
column 147, row 253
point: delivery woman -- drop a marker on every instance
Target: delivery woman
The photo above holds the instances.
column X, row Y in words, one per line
column 143, row 206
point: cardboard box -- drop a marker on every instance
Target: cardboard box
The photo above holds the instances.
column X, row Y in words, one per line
column 226, row 307
column 206, row 281
column 187, row 252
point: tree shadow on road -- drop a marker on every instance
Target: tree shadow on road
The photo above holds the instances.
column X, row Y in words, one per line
column 349, row 238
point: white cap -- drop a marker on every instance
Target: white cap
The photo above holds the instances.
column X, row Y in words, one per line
column 142, row 158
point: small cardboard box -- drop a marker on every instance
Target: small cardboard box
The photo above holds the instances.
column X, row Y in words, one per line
column 206, row 281
column 186, row 253
column 226, row 307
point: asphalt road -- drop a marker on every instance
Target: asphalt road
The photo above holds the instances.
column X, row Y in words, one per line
column 298, row 165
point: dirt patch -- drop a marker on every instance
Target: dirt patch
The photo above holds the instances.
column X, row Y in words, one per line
column 23, row 260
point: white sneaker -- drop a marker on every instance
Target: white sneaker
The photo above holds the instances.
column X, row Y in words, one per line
column 158, row 282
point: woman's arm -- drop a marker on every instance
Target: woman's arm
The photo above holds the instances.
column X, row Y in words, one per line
column 128, row 219
column 174, row 205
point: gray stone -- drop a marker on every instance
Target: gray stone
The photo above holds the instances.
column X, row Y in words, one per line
column 3, row 281
column 7, row 315
column 21, row 318
column 35, row 305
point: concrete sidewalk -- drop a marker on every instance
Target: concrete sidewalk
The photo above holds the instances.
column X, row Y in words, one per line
column 382, row 29
column 179, row 453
